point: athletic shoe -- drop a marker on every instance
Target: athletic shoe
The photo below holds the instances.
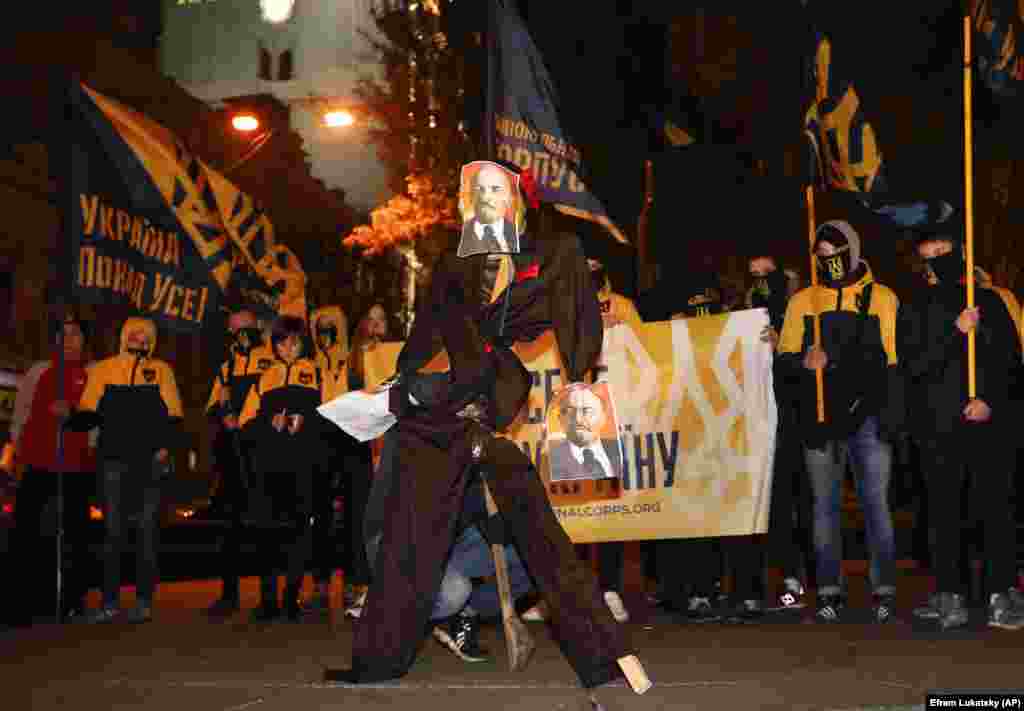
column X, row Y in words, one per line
column 698, row 609
column 614, row 602
column 930, row 610
column 461, row 636
column 884, row 609
column 1003, row 613
column 101, row 616
column 830, row 608
column 791, row 598
column 952, row 611
column 140, row 614
column 747, row 612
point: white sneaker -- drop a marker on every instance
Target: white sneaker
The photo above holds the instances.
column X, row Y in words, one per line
column 537, row 613
column 614, row 602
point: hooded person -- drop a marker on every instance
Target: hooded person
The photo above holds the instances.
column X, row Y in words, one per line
column 39, row 410
column 963, row 440
column 280, row 422
column 863, row 406
column 133, row 398
column 249, row 357
column 478, row 307
column 345, row 458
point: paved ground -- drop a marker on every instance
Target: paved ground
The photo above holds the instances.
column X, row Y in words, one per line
column 181, row 661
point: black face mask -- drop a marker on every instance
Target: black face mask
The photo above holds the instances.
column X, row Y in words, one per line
column 598, row 276
column 833, row 269
column 948, row 268
column 245, row 339
column 770, row 293
column 327, row 336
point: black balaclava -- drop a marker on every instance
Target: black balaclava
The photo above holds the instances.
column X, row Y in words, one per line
column 769, row 292
column 840, row 267
column 949, row 267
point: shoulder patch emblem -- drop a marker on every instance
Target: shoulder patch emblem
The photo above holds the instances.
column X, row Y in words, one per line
column 149, row 375
column 263, row 363
column 306, row 378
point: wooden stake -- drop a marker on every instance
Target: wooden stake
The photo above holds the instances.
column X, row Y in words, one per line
column 518, row 641
column 819, row 375
column 969, row 208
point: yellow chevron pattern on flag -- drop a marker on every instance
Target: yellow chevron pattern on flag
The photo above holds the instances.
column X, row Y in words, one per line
column 166, row 161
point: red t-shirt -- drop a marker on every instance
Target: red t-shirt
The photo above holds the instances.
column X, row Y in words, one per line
column 37, row 445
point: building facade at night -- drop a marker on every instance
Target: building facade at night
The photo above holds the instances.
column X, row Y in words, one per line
column 220, row 50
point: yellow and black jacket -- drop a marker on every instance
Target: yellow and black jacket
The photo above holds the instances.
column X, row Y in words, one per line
column 333, row 361
column 293, row 388
column 858, row 334
column 134, row 399
column 1012, row 305
column 235, row 378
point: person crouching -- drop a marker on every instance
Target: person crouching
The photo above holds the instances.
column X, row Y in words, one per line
column 279, row 419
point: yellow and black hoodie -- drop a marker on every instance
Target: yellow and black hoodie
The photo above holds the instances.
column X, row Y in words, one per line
column 294, row 388
column 134, row 399
column 236, row 377
column 861, row 378
column 333, row 360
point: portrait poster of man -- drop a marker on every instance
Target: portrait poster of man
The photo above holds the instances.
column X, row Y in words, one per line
column 493, row 212
column 582, row 440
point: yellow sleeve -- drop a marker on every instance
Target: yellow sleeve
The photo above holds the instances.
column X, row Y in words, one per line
column 95, row 385
column 1012, row 305
column 791, row 340
column 251, row 408
column 169, row 392
column 218, row 389
column 887, row 324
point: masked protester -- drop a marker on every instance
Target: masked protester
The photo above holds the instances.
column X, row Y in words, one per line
column 38, row 412
column 133, row 398
column 250, row 357
column 962, row 439
column 280, row 422
column 769, row 289
column 863, row 407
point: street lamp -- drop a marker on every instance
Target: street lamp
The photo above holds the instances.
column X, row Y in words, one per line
column 245, row 122
column 337, row 119
column 276, row 11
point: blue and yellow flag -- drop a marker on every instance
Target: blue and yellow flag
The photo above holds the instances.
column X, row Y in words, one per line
column 843, row 151
column 522, row 125
column 1000, row 59
column 156, row 228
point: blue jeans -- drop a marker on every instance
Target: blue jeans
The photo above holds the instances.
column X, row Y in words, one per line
column 872, row 468
column 471, row 558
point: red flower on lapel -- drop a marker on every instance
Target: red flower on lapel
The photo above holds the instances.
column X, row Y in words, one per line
column 530, row 272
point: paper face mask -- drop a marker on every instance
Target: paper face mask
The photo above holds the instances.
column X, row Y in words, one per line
column 493, row 213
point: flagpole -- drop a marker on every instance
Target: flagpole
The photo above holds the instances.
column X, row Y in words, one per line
column 969, row 208
column 819, row 375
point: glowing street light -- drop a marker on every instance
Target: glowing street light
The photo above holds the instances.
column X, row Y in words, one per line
column 276, row 11
column 336, row 119
column 245, row 122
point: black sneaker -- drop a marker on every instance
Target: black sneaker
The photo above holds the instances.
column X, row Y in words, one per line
column 747, row 612
column 699, row 609
column 884, row 609
column 791, row 597
column 830, row 608
column 461, row 636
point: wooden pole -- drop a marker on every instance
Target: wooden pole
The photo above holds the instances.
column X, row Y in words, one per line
column 819, row 375
column 969, row 208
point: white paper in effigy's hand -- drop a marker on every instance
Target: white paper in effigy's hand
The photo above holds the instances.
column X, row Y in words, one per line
column 363, row 415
